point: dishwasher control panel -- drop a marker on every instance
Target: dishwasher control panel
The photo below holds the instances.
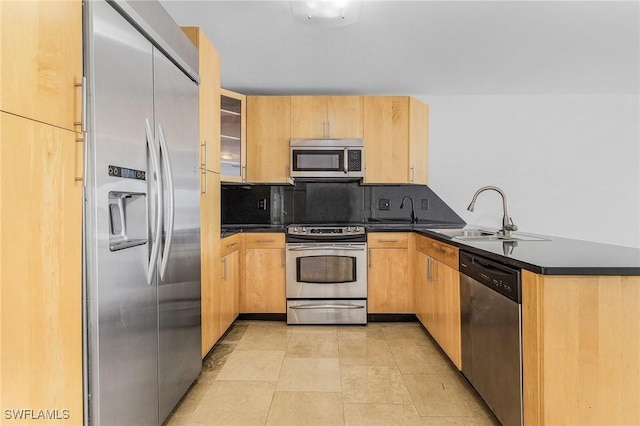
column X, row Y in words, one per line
column 498, row 277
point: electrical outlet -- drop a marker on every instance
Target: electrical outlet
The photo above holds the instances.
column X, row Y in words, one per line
column 384, row 204
column 262, row 204
column 424, row 204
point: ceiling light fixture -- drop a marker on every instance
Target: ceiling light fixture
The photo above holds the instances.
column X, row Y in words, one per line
column 327, row 12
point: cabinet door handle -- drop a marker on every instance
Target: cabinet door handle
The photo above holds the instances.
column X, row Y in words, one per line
column 83, row 106
column 243, row 173
column 284, row 259
column 369, row 258
column 429, row 277
column 413, row 174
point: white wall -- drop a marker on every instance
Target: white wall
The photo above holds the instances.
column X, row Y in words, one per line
column 569, row 164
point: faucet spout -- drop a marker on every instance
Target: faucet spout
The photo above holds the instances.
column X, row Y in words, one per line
column 507, row 223
column 413, row 212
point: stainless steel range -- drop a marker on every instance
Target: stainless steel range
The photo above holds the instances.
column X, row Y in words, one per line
column 326, row 274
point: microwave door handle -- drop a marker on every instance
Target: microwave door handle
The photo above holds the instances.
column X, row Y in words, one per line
column 346, row 161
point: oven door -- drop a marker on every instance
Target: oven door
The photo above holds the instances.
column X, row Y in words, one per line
column 326, row 270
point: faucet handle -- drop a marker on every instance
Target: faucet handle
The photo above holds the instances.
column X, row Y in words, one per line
column 512, row 227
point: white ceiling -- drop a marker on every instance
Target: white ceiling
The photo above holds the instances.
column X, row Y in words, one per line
column 442, row 47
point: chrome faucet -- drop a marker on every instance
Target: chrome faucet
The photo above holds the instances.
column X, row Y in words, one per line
column 413, row 212
column 507, row 223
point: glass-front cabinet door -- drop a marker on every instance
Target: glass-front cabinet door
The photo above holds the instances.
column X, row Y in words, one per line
column 233, row 156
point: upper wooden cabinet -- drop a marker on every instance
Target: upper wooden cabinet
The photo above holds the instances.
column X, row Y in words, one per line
column 233, row 139
column 209, row 93
column 396, row 138
column 326, row 117
column 268, row 135
column 41, row 61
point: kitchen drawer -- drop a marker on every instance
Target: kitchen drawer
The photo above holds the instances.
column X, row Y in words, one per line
column 264, row 240
column 388, row 240
column 229, row 244
column 439, row 251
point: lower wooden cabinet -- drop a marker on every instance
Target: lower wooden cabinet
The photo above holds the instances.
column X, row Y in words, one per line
column 438, row 294
column 40, row 271
column 263, row 288
column 581, row 349
column 390, row 289
column 229, row 290
column 210, row 256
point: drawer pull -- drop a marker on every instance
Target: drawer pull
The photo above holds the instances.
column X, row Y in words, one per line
column 232, row 245
column 265, row 241
column 388, row 241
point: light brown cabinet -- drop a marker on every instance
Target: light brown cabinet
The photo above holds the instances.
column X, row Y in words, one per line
column 42, row 61
column 390, row 284
column 233, row 139
column 209, row 112
column 438, row 294
column 396, row 137
column 40, row 268
column 581, row 349
column 210, row 256
column 229, row 288
column 268, row 136
column 326, row 117
column 263, row 288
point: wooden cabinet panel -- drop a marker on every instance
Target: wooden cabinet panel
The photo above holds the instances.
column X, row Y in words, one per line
column 41, row 61
column 263, row 287
column 390, row 288
column 229, row 290
column 388, row 240
column 581, row 349
column 386, row 135
column 396, row 135
column 268, row 136
column 40, row 268
column 308, row 116
column 209, row 94
column 210, row 255
column 441, row 252
column 446, row 311
column 264, row 240
column 423, row 295
column 418, row 142
column 326, row 116
column 345, row 116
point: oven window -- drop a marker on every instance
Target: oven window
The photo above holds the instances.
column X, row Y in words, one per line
column 317, row 160
column 326, row 269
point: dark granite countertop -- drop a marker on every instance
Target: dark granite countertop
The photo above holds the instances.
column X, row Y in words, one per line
column 551, row 256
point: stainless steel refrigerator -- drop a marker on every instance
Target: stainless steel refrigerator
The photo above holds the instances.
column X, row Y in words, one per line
column 141, row 217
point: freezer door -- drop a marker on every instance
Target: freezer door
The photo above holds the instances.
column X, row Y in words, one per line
column 122, row 305
column 176, row 127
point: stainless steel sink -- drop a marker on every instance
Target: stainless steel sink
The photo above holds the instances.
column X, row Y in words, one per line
column 485, row 235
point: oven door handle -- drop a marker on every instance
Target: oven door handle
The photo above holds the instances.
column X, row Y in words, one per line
column 326, row 306
column 326, row 248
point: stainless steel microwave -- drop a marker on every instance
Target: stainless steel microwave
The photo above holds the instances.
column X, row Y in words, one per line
column 327, row 158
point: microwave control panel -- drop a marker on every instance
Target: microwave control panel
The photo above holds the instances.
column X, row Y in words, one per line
column 355, row 160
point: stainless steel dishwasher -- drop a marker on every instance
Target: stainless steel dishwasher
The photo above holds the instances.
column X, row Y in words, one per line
column 491, row 309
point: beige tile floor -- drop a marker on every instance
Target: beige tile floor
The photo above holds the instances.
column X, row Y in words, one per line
column 268, row 373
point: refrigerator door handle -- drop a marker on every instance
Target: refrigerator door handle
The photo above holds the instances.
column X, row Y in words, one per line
column 155, row 248
column 172, row 202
